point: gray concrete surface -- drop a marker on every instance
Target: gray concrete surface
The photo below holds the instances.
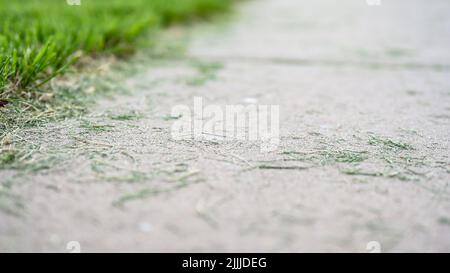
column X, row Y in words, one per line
column 364, row 96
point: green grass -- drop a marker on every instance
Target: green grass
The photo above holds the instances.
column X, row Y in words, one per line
column 327, row 157
column 40, row 39
column 8, row 157
column 96, row 128
column 132, row 115
column 206, row 72
column 389, row 143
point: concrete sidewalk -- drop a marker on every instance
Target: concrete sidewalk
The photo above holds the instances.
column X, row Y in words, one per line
column 364, row 97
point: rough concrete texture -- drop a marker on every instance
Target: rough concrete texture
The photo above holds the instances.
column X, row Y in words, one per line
column 364, row 96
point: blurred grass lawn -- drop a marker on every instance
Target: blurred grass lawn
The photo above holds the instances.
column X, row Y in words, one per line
column 40, row 38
